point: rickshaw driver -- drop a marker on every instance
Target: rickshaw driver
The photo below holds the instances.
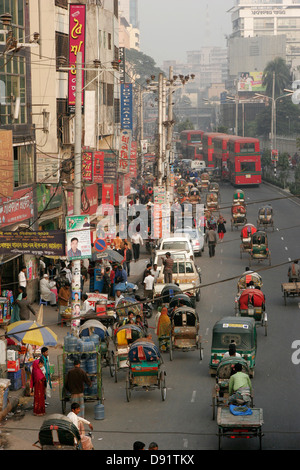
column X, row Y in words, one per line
column 240, row 387
column 294, row 272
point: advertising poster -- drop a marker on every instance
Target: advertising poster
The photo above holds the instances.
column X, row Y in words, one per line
column 126, row 106
column 124, row 152
column 78, row 238
column 40, row 243
column 87, row 166
column 76, row 44
column 98, row 167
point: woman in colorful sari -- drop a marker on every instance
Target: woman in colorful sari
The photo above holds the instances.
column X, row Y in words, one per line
column 163, row 330
column 38, row 385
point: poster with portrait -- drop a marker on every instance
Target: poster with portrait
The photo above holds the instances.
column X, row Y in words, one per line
column 78, row 237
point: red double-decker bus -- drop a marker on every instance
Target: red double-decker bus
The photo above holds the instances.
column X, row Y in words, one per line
column 208, row 147
column 194, row 152
column 244, row 161
column 220, row 155
column 188, row 137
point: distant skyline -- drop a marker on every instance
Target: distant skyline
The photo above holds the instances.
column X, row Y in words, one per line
column 170, row 28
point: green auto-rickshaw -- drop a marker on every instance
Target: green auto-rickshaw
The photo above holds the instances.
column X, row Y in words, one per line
column 241, row 331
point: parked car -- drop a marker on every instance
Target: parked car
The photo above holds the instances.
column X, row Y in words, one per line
column 197, row 238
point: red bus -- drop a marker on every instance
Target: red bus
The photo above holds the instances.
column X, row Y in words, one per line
column 194, row 152
column 208, row 147
column 244, row 162
column 189, row 137
column 220, row 155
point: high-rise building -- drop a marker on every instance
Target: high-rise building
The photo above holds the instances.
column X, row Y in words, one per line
column 261, row 18
column 129, row 24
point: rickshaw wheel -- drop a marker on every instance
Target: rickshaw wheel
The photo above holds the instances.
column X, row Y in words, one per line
column 214, row 407
column 163, row 387
column 171, row 351
column 63, row 406
column 128, row 389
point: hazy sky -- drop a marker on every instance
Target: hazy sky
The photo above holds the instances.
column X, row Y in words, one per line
column 170, row 28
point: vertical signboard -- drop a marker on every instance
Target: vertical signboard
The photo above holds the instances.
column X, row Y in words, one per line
column 122, row 64
column 126, row 106
column 76, row 44
column 98, row 167
column 87, row 166
column 6, row 157
column 124, row 152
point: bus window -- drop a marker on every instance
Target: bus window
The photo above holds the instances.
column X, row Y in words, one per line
column 247, row 167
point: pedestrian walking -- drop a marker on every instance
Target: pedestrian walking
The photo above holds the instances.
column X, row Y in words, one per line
column 15, row 313
column 168, row 268
column 136, row 241
column 127, row 257
column 148, row 285
column 38, row 387
column 211, row 240
column 47, row 373
column 79, row 422
column 106, row 281
column 74, row 384
column 221, row 227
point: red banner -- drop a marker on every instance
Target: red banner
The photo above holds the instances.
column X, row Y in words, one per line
column 91, row 196
column 76, row 44
column 133, row 160
column 87, row 166
column 124, row 153
column 98, row 167
column 17, row 208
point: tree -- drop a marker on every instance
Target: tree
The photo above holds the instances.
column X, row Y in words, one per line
column 184, row 125
column 283, row 76
column 141, row 65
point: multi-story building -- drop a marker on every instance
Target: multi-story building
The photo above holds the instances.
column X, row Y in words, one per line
column 129, row 24
column 260, row 18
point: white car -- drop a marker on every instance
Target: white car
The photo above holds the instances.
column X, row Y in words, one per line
column 177, row 245
column 185, row 274
column 196, row 237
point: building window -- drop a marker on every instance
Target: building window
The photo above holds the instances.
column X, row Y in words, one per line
column 62, row 47
column 62, row 4
column 110, row 94
column 109, row 40
column 12, row 87
column 23, row 165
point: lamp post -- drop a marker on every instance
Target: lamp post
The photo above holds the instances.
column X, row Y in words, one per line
column 273, row 117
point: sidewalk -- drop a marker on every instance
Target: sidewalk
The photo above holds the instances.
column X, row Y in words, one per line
column 50, row 320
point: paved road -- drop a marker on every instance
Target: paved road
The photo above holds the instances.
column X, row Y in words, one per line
column 184, row 421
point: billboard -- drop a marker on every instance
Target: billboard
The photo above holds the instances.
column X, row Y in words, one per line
column 251, row 81
column 126, row 106
column 7, row 162
column 76, row 44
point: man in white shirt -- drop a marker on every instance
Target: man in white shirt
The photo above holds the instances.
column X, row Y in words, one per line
column 136, row 240
column 79, row 422
column 22, row 277
column 148, row 285
column 119, row 297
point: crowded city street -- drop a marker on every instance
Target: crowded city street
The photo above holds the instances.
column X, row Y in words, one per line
column 183, row 421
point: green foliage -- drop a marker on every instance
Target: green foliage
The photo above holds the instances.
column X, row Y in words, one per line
column 184, row 125
column 282, row 76
column 142, row 65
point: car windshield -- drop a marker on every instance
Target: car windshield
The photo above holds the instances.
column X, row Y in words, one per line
column 175, row 245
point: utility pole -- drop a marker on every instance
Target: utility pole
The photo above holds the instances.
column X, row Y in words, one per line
column 78, row 137
column 160, row 128
column 272, row 121
column 169, row 131
column 76, row 265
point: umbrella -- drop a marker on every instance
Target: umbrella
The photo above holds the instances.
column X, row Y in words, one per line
column 93, row 327
column 31, row 332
